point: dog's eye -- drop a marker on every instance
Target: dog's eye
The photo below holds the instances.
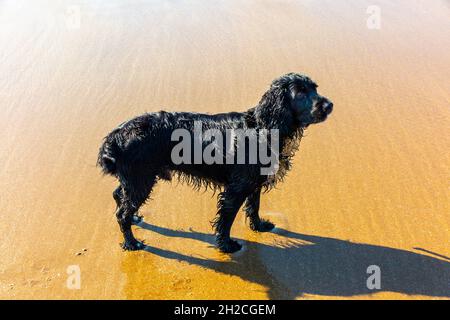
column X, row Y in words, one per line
column 302, row 90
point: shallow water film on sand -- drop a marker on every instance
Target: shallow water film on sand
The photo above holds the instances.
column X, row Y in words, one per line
column 363, row 214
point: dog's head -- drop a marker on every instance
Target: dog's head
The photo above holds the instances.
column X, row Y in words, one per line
column 293, row 99
column 307, row 105
column 298, row 94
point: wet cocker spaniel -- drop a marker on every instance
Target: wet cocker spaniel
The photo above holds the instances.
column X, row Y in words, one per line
column 141, row 151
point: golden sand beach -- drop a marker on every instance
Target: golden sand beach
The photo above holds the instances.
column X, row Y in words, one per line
column 370, row 186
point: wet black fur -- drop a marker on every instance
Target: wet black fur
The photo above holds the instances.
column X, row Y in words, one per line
column 138, row 153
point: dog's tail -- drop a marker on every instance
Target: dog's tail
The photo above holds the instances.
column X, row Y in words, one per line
column 107, row 156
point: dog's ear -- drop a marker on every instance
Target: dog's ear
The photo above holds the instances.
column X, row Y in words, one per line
column 294, row 89
column 274, row 109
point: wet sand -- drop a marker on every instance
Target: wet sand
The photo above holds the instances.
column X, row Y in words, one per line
column 368, row 187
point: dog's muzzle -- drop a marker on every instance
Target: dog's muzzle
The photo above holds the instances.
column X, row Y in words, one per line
column 324, row 108
column 327, row 107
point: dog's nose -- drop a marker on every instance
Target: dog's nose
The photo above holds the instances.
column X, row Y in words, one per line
column 328, row 107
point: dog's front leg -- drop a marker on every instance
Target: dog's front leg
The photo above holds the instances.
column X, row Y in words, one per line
column 228, row 205
column 252, row 212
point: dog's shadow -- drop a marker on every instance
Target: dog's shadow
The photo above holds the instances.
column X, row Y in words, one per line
column 305, row 264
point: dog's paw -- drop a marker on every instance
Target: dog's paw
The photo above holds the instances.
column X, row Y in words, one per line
column 133, row 245
column 136, row 219
column 263, row 226
column 230, row 246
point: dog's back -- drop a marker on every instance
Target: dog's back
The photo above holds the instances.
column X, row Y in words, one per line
column 147, row 139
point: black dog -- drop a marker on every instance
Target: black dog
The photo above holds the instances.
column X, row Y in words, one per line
column 139, row 152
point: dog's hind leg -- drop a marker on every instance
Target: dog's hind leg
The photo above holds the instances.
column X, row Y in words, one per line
column 133, row 196
column 230, row 200
column 252, row 212
column 118, row 195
